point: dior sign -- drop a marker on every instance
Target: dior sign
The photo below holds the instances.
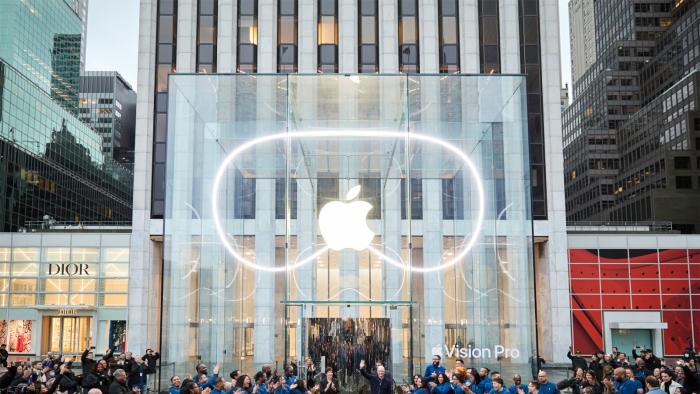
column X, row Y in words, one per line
column 69, row 269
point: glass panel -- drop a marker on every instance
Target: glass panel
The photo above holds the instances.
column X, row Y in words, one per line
column 5, row 254
column 57, row 254
column 207, row 29
column 115, row 270
column 116, row 255
column 327, row 30
column 287, row 30
column 56, row 299
column 82, row 299
column 115, row 300
column 408, row 31
column 116, row 285
column 25, row 254
column 56, row 285
column 25, row 269
column 82, row 285
column 247, row 30
column 87, row 255
column 368, row 30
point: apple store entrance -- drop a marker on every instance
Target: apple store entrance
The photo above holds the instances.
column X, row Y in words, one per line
column 347, row 217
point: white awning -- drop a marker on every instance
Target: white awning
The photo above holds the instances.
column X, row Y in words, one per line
column 639, row 325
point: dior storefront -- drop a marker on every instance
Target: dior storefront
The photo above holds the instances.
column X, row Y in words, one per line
column 347, row 217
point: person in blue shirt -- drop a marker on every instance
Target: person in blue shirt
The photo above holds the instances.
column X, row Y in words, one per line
column 175, row 383
column 653, row 385
column 289, row 377
column 434, row 369
column 546, row 387
column 441, row 385
column 485, row 385
column 637, row 382
column 517, row 382
column 260, row 383
column 244, row 386
column 498, row 386
column 208, row 381
column 622, row 384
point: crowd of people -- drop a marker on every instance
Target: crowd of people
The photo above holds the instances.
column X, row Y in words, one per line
column 125, row 373
column 616, row 373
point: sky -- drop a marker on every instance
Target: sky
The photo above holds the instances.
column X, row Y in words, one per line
column 113, row 33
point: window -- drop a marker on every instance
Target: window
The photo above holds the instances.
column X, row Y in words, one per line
column 280, row 193
column 453, row 198
column 287, row 36
column 489, row 36
column 681, row 163
column 416, row 198
column 244, row 198
column 368, row 28
column 408, row 36
column 684, row 182
column 165, row 64
column 247, row 36
column 371, row 191
column 528, row 13
column 207, row 11
column 327, row 190
column 328, row 36
column 449, row 36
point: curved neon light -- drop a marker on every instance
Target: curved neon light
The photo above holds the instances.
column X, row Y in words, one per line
column 345, row 134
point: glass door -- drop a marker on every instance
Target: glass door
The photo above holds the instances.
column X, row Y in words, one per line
column 67, row 334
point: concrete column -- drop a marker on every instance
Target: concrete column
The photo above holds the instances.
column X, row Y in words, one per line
column 510, row 36
column 556, row 223
column 429, row 29
column 226, row 36
column 308, row 39
column 469, row 36
column 267, row 36
column 142, row 263
column 186, row 36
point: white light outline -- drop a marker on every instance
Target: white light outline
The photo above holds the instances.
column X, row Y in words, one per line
column 223, row 168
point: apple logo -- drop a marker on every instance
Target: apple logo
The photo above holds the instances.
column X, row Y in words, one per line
column 343, row 225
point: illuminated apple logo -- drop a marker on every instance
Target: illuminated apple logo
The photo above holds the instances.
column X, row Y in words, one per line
column 343, row 225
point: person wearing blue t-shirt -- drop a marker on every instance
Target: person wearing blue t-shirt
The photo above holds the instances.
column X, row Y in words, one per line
column 434, row 369
column 441, row 385
column 517, row 383
column 498, row 386
column 485, row 383
column 622, row 384
column 546, row 387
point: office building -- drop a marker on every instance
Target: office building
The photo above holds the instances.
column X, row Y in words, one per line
column 367, row 66
column 582, row 35
column 632, row 115
column 108, row 105
column 53, row 169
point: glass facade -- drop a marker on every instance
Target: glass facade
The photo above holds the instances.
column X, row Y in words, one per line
column 247, row 36
column 409, row 54
column 207, row 14
column 328, row 36
column 489, row 37
column 368, row 37
column 43, row 39
column 53, row 167
column 287, row 36
column 448, row 12
column 531, row 65
column 257, row 266
column 166, row 51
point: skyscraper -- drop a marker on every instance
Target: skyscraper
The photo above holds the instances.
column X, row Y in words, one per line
column 52, row 167
column 630, row 134
column 108, row 105
column 582, row 30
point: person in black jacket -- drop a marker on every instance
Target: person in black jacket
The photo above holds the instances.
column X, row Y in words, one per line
column 87, row 359
column 137, row 375
column 576, row 361
column 3, row 355
column 151, row 359
column 8, row 377
column 118, row 386
column 379, row 383
column 329, row 385
column 97, row 379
